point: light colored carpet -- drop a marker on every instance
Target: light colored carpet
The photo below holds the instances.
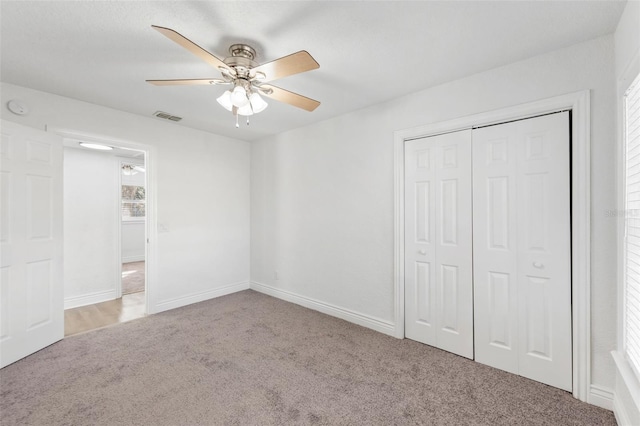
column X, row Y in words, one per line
column 249, row 359
column 132, row 277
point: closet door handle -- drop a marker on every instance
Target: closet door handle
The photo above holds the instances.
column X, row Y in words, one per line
column 422, row 252
column 538, row 265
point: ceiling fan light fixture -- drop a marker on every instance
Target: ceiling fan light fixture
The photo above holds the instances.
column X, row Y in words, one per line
column 239, row 96
column 246, row 76
column 246, row 110
column 97, row 146
column 225, row 100
column 257, row 103
column 129, row 170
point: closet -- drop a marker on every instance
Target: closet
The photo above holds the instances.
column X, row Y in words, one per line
column 488, row 245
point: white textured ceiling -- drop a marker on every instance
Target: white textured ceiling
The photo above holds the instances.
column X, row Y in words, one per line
column 369, row 52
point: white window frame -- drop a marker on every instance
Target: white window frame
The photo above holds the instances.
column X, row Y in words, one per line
column 132, row 218
column 627, row 387
column 129, row 219
column 624, row 214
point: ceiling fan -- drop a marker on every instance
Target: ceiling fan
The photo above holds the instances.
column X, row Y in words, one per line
column 246, row 77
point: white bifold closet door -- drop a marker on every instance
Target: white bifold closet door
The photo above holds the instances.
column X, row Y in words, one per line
column 521, row 248
column 438, row 245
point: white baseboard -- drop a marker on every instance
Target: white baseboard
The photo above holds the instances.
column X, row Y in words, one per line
column 386, row 327
column 89, row 299
column 601, row 397
column 129, row 259
column 199, row 297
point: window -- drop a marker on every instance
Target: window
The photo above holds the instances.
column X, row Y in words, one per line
column 631, row 215
column 133, row 202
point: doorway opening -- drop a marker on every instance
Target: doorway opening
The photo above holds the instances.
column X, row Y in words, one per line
column 106, row 227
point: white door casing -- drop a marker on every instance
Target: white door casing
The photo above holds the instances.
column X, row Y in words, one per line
column 438, row 246
column 522, row 248
column 31, row 286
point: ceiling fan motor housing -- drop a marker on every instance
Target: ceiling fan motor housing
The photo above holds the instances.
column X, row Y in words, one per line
column 243, row 50
column 242, row 59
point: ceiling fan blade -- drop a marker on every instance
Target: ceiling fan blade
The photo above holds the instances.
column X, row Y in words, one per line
column 290, row 98
column 190, row 46
column 287, row 65
column 187, row 82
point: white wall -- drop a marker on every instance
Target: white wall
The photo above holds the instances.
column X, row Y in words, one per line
column 627, row 38
column 90, row 194
column 322, row 196
column 201, row 184
column 132, row 241
column 627, row 60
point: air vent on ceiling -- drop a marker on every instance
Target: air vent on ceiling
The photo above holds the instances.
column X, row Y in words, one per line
column 167, row 116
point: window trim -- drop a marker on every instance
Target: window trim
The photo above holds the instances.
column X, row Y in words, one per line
column 130, row 219
column 622, row 216
column 627, row 384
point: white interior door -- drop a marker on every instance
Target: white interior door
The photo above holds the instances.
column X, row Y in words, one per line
column 438, row 245
column 31, row 289
column 522, row 248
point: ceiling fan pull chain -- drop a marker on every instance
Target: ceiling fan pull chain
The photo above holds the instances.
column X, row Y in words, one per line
column 247, row 120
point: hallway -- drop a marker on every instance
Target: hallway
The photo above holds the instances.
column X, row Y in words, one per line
column 99, row 315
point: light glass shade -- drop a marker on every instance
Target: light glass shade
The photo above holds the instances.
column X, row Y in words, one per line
column 257, row 103
column 239, row 97
column 245, row 110
column 96, row 146
column 225, row 100
column 129, row 170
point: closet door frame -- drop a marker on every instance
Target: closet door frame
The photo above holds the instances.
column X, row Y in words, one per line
column 579, row 105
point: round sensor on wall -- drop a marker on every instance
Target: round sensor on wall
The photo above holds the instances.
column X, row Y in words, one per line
column 17, row 107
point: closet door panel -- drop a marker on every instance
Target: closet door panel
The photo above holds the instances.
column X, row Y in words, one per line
column 420, row 290
column 454, row 275
column 495, row 248
column 522, row 248
column 438, row 248
column 544, row 246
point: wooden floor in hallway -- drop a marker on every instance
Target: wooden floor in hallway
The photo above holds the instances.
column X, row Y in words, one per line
column 99, row 315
